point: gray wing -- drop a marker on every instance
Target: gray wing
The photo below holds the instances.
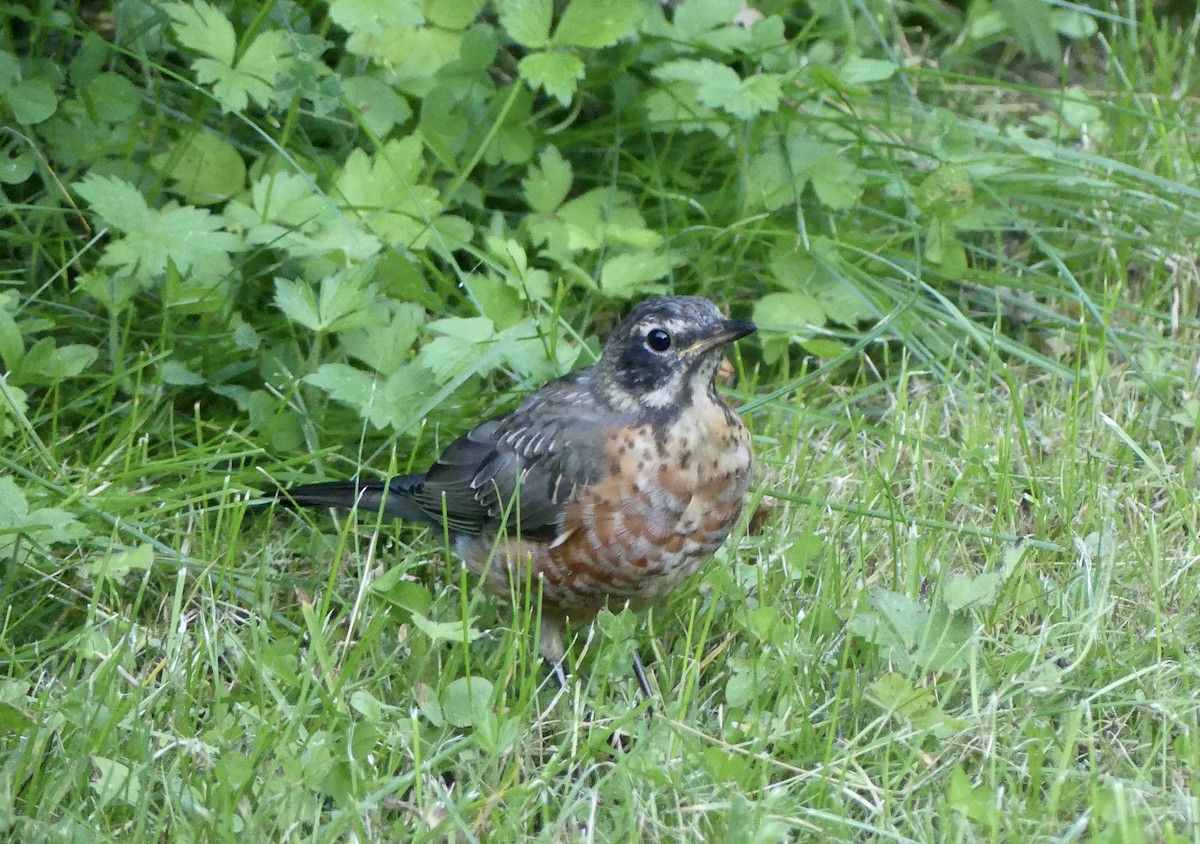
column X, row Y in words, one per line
column 524, row 466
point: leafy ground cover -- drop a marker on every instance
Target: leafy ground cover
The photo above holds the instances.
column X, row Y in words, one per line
column 249, row 243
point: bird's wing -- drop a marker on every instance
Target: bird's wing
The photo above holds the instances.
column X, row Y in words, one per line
column 523, row 467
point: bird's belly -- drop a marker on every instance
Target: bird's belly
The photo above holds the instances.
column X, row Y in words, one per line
column 664, row 506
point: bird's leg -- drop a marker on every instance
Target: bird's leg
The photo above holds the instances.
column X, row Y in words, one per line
column 639, row 671
column 551, row 647
column 559, row 675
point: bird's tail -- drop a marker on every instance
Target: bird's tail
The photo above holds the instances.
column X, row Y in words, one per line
column 364, row 495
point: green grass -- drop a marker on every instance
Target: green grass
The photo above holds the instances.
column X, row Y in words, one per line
column 968, row 612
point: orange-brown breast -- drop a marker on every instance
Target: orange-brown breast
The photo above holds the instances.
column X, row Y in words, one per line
column 662, row 507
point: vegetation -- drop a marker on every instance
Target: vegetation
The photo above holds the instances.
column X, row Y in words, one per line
column 253, row 243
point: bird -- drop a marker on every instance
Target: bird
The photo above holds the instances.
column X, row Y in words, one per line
column 611, row 485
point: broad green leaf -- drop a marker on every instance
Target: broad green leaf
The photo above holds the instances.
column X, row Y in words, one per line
column 987, row 26
column 893, row 692
column 14, row 506
column 113, row 97
column 962, row 591
column 117, row 202
column 367, row 705
column 630, row 273
column 522, row 349
column 770, row 183
column 548, row 182
column 859, row 71
column 558, row 73
column 204, row 168
column 824, row 348
column 20, row 523
column 695, row 17
column 445, row 631
column 385, row 342
column 443, row 126
column 244, row 334
column 587, row 23
column 933, row 639
column 14, row 408
column 467, row 700
column 946, row 641
column 376, row 103
column 114, row 289
column 1080, row 110
column 803, row 273
column 942, row 248
column 387, row 194
column 602, row 216
column 298, row 302
column 673, row 108
column 767, row 625
column 47, row 363
column 794, row 312
column 452, row 14
column 1030, row 23
column 1074, row 23
column 979, row 803
column 342, row 302
column 405, row 594
column 906, row 616
column 527, row 21
column 12, row 344
column 13, row 720
column 287, row 211
column 10, row 71
column 176, row 374
column 346, row 297
column 184, row 235
column 741, row 688
column 254, row 76
column 720, row 87
column 414, row 55
column 374, row 17
column 497, row 300
column 946, row 193
column 357, row 389
column 428, row 703
column 114, row 566
column 529, row 282
column 203, row 28
column 269, row 416
column 619, row 626
column 838, row 182
column 32, row 101
column 114, row 781
column 17, row 164
column 460, row 340
column 783, row 318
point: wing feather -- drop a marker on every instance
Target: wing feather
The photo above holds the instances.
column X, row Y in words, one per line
column 524, row 466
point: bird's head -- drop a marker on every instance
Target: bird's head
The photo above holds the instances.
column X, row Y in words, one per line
column 665, row 351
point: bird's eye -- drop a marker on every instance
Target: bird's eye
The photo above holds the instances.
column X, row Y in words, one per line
column 658, row 340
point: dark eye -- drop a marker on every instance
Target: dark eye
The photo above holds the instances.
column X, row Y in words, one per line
column 658, row 340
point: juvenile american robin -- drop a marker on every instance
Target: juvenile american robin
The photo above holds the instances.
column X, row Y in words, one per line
column 610, row 485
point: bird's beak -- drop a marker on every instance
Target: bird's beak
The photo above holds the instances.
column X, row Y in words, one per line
column 730, row 330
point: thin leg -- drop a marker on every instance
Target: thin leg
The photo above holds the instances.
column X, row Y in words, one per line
column 639, row 671
column 554, row 653
column 560, row 676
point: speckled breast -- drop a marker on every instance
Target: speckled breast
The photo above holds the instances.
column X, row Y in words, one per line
column 669, row 498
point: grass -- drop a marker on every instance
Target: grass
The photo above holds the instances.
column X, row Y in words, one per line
column 966, row 613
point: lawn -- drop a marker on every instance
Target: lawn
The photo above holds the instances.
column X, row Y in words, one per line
column 248, row 245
